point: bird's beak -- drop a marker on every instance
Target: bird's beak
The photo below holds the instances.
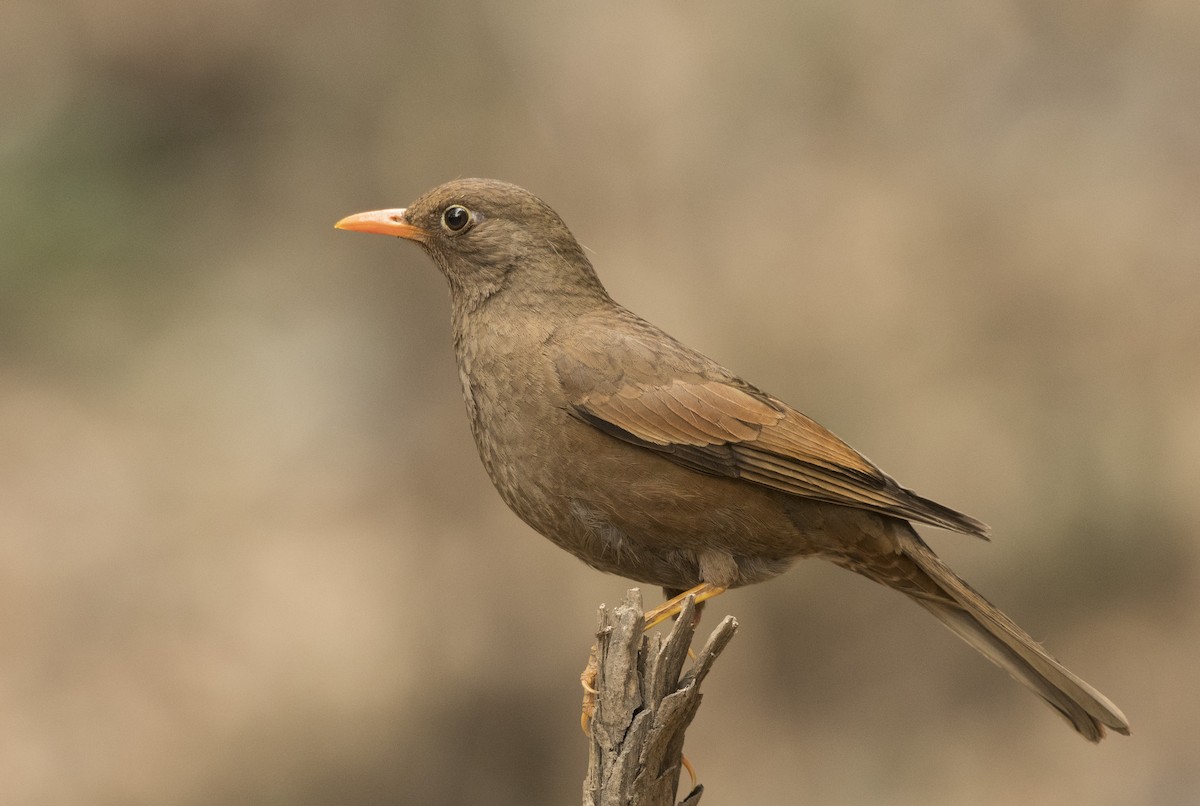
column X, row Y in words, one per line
column 383, row 222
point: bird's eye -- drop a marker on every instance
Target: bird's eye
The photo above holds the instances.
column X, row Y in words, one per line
column 456, row 217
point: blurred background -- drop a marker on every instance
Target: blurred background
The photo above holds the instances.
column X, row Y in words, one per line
column 247, row 551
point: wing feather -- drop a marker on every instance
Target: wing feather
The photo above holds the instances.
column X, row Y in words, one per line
column 695, row 413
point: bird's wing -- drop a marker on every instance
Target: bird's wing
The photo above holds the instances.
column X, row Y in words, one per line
column 660, row 395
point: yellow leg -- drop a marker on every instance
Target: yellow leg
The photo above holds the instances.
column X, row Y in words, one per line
column 664, row 611
column 590, row 694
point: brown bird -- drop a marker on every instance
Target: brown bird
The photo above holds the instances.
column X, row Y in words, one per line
column 644, row 458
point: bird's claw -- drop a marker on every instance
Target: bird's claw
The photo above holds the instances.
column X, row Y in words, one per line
column 590, row 693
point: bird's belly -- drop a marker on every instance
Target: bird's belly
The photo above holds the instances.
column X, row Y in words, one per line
column 631, row 512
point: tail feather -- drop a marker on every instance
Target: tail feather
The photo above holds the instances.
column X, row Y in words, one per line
column 1000, row 640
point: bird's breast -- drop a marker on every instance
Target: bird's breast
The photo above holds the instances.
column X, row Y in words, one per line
column 617, row 507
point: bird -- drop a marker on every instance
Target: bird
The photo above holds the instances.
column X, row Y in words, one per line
column 646, row 459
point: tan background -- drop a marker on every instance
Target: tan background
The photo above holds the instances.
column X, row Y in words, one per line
column 248, row 555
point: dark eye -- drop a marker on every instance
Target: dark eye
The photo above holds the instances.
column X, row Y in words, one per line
column 456, row 217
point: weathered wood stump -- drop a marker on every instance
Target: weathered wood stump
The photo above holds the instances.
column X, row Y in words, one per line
column 644, row 704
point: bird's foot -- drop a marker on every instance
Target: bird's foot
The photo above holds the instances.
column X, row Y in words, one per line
column 671, row 607
column 691, row 771
column 590, row 693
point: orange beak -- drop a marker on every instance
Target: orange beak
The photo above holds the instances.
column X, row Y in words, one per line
column 383, row 222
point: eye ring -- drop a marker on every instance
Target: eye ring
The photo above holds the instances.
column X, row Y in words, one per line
column 456, row 218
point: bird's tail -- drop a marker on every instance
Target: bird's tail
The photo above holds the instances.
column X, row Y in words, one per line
column 978, row 622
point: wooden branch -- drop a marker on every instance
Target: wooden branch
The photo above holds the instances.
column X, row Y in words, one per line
column 644, row 704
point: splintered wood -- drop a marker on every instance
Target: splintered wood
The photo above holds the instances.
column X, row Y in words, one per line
column 643, row 704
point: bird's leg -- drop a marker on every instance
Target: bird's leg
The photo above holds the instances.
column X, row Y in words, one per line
column 671, row 593
column 672, row 606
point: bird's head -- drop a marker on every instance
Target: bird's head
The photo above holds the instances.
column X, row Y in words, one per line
column 486, row 236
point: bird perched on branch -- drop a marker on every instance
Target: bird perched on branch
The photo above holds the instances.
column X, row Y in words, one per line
column 644, row 458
